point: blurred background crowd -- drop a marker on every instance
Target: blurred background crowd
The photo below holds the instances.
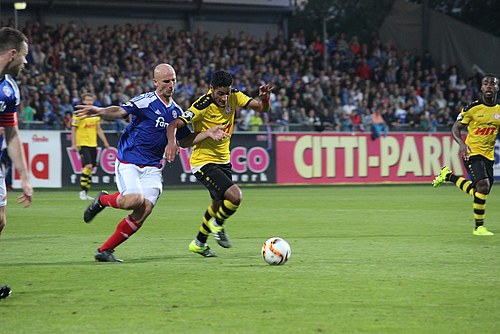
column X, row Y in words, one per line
column 363, row 80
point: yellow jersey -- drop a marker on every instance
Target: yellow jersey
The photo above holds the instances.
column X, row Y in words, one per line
column 205, row 114
column 482, row 123
column 86, row 130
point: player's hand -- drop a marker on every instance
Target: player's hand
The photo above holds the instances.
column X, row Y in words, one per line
column 171, row 151
column 26, row 199
column 217, row 133
column 85, row 111
column 464, row 152
column 27, row 196
column 265, row 92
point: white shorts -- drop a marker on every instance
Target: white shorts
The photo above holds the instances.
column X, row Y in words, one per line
column 132, row 179
column 3, row 190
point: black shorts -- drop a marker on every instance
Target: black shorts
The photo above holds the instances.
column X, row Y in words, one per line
column 216, row 178
column 479, row 168
column 88, row 155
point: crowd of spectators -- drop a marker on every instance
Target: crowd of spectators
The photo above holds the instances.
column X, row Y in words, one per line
column 362, row 79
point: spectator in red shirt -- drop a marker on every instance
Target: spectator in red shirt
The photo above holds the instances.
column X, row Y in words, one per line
column 363, row 70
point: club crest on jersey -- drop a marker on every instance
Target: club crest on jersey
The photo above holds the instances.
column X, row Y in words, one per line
column 187, row 114
column 7, row 91
column 229, row 110
column 496, row 116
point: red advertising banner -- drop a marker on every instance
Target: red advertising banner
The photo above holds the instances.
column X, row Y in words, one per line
column 344, row 158
column 43, row 155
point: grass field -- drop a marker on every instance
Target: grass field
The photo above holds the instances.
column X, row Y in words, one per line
column 365, row 259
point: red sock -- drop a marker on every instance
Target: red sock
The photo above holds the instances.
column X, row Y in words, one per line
column 110, row 200
column 124, row 230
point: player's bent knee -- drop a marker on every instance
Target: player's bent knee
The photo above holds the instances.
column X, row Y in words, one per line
column 131, row 201
column 234, row 195
column 483, row 187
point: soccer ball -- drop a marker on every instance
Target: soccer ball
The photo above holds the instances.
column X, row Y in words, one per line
column 276, row 251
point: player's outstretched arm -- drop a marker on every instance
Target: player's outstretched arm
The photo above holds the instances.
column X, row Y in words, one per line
column 112, row 112
column 263, row 104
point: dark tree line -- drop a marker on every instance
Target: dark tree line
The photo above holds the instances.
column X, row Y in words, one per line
column 355, row 17
column 482, row 15
column 362, row 17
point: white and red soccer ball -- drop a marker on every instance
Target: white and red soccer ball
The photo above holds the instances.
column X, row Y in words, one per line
column 276, row 251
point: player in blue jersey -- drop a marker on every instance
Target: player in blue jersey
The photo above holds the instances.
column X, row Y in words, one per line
column 141, row 148
column 13, row 52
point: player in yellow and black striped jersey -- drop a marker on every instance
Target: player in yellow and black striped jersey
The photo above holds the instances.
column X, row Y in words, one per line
column 210, row 160
column 84, row 133
column 482, row 120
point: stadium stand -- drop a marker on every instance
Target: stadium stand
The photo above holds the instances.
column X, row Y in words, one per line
column 114, row 62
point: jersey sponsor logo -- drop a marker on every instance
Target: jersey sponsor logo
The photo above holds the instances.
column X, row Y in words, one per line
column 7, row 91
column 485, row 131
column 160, row 122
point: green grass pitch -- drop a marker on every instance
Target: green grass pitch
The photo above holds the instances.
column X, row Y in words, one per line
column 365, row 259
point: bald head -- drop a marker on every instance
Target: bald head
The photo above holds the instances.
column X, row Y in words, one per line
column 164, row 79
column 162, row 70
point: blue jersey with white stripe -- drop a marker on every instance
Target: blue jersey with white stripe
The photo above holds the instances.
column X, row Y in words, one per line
column 144, row 140
column 9, row 103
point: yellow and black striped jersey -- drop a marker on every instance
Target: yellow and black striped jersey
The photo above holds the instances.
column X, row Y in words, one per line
column 86, row 130
column 482, row 123
column 205, row 114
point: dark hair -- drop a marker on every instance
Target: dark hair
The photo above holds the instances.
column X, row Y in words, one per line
column 11, row 39
column 84, row 95
column 489, row 75
column 221, row 79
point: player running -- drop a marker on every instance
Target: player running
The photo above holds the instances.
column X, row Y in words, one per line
column 210, row 161
column 138, row 167
column 482, row 120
